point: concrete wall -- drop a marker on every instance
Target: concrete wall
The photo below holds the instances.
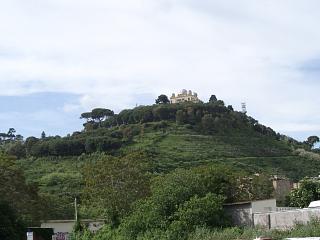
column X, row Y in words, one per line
column 63, row 226
column 66, row 226
column 240, row 214
column 285, row 220
column 282, row 188
column 264, row 206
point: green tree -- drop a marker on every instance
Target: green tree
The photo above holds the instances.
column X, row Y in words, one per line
column 11, row 133
column 312, row 140
column 14, row 190
column 308, row 191
column 43, row 135
column 112, row 184
column 100, row 114
column 213, row 99
column 198, row 212
column 181, row 197
column 97, row 115
column 11, row 227
column 162, row 99
column 208, row 123
column 17, row 149
column 181, row 117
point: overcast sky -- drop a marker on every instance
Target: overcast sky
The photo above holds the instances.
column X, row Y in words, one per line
column 59, row 58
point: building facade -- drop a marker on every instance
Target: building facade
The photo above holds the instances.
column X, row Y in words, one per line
column 241, row 213
column 184, row 96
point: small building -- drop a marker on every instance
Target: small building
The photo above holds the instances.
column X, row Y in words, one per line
column 184, row 96
column 282, row 188
column 241, row 213
column 65, row 227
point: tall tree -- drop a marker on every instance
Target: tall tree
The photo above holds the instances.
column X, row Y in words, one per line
column 43, row 135
column 11, row 133
column 112, row 184
column 162, row 99
column 97, row 115
column 213, row 98
column 312, row 140
column 100, row 114
column 86, row 115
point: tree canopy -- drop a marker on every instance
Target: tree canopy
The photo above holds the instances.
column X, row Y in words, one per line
column 213, row 98
column 308, row 191
column 162, row 99
column 312, row 140
column 16, row 192
column 112, row 184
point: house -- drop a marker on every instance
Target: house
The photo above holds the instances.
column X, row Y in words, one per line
column 184, row 96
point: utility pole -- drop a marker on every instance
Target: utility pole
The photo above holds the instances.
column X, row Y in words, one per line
column 75, row 209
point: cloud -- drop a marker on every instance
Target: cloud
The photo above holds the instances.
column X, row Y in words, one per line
column 111, row 53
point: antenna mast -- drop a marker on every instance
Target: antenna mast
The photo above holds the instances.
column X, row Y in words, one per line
column 244, row 107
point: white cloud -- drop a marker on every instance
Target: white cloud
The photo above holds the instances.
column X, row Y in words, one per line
column 111, row 51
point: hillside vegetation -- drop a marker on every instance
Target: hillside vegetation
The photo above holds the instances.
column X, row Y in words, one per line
column 115, row 165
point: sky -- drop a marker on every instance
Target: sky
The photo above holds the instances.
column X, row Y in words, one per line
column 59, row 58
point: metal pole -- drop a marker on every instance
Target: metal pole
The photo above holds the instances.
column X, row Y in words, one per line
column 75, row 209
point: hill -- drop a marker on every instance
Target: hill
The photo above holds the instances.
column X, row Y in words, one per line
column 171, row 135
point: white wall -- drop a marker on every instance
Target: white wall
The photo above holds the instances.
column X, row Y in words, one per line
column 264, row 206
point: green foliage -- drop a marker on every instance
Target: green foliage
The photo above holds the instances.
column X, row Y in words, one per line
column 204, row 211
column 59, row 182
column 97, row 115
column 16, row 192
column 16, row 149
column 312, row 229
column 308, row 191
column 213, row 99
column 312, row 140
column 181, row 201
column 11, row 227
column 112, row 184
column 173, row 136
column 162, row 99
column 181, row 117
column 81, row 235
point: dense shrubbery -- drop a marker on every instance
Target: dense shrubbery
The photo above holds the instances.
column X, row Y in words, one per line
column 210, row 117
column 113, row 184
column 308, row 191
column 205, row 233
column 177, row 203
column 310, row 230
column 11, row 226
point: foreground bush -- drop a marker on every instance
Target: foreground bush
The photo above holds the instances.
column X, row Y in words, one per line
column 310, row 230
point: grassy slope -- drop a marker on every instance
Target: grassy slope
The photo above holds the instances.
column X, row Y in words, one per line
column 178, row 146
column 48, row 172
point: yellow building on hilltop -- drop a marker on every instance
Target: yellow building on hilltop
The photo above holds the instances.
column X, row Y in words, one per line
column 184, row 96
